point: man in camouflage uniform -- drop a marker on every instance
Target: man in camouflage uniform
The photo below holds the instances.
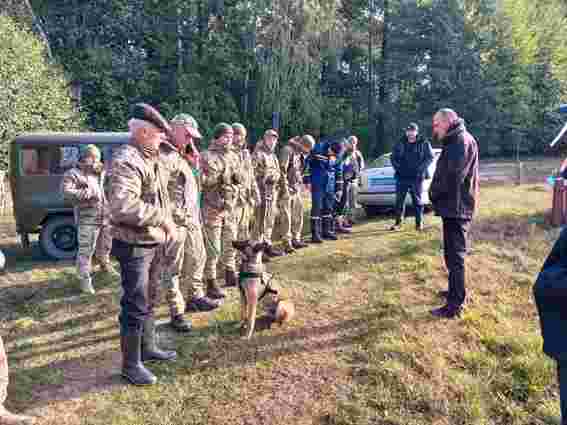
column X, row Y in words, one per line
column 248, row 195
column 7, row 418
column 220, row 179
column 290, row 198
column 267, row 169
column 141, row 222
column 84, row 186
column 183, row 193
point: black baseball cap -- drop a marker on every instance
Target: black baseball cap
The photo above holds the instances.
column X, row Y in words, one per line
column 412, row 126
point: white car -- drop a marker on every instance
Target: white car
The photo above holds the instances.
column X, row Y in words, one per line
column 378, row 185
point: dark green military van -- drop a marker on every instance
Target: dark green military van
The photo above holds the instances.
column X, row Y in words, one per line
column 37, row 164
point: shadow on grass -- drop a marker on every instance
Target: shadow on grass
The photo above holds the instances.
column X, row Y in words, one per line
column 35, row 387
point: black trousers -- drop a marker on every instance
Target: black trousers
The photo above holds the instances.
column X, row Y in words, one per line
column 562, row 375
column 135, row 264
column 455, row 249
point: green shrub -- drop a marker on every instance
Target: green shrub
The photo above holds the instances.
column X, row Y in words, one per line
column 34, row 95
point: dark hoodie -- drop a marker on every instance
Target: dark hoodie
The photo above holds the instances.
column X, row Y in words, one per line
column 411, row 160
column 454, row 189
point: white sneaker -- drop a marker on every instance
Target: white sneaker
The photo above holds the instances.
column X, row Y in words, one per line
column 87, row 286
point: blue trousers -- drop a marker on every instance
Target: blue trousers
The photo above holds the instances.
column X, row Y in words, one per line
column 415, row 189
column 322, row 204
column 135, row 261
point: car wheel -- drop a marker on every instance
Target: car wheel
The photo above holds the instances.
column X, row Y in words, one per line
column 58, row 238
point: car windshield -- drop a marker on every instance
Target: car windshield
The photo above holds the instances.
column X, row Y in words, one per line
column 382, row 162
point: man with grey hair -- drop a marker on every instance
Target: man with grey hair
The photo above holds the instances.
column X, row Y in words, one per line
column 141, row 223
column 454, row 194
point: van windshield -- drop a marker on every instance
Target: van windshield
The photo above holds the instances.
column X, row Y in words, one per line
column 53, row 160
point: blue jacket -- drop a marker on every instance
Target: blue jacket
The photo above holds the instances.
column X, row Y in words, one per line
column 411, row 161
column 325, row 171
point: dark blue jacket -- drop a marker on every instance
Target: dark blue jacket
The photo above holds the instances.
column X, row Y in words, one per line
column 550, row 292
column 411, row 161
column 325, row 171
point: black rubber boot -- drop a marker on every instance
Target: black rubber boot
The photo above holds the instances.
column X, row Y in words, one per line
column 328, row 227
column 316, row 231
column 132, row 367
column 150, row 350
column 298, row 244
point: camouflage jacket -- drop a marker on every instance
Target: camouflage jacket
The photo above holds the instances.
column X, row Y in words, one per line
column 182, row 188
column 291, row 166
column 267, row 169
column 139, row 199
column 218, row 166
column 248, row 193
column 85, row 189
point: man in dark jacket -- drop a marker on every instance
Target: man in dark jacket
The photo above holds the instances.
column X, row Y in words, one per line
column 550, row 293
column 454, row 194
column 411, row 158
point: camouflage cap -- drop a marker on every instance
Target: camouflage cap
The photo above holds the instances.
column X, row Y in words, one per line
column 90, row 149
column 220, row 129
column 189, row 123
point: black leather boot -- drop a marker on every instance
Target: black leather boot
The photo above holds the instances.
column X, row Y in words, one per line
column 213, row 290
column 132, row 367
column 316, row 230
column 150, row 350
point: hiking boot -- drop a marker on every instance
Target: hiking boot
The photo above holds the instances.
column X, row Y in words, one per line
column 341, row 228
column 447, row 312
column 273, row 252
column 298, row 244
column 132, row 367
column 201, row 304
column 328, row 229
column 289, row 248
column 180, row 324
column 7, row 418
column 230, row 278
column 316, row 231
column 213, row 290
column 150, row 350
column 86, row 285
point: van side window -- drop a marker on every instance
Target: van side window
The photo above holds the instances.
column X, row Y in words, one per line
column 35, row 161
column 49, row 160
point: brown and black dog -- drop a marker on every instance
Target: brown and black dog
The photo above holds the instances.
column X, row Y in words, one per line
column 255, row 284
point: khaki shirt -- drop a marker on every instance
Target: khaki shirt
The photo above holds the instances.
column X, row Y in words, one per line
column 218, row 164
column 85, row 189
column 267, row 168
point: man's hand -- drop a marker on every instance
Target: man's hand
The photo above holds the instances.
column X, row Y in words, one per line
column 170, row 229
column 338, row 195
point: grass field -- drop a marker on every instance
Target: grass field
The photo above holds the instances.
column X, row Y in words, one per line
column 363, row 348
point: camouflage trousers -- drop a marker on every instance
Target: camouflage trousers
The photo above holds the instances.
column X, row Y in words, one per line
column 291, row 211
column 243, row 214
column 264, row 224
column 94, row 240
column 220, row 231
column 195, row 258
column 167, row 273
column 3, row 374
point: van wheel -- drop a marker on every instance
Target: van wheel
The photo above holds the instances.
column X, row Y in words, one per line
column 58, row 238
